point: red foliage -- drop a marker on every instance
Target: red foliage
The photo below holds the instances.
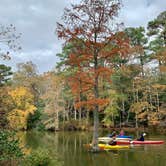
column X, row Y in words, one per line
column 90, row 104
column 94, row 44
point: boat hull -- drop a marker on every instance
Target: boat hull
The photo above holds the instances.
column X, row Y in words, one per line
column 139, row 142
column 108, row 139
column 109, row 147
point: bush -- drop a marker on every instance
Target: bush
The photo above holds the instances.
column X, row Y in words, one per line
column 38, row 157
column 9, row 147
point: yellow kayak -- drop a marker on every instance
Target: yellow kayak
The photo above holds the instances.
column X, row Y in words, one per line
column 109, row 147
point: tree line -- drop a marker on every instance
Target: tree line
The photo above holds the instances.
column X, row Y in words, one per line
column 107, row 76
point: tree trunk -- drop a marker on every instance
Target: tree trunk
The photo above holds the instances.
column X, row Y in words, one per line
column 123, row 110
column 128, row 115
column 75, row 113
column 56, row 120
column 96, row 94
column 80, row 110
column 136, row 121
column 95, row 128
column 158, row 102
column 142, row 65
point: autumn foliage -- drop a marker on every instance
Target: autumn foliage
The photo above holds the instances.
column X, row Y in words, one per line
column 88, row 27
column 22, row 100
column 94, row 45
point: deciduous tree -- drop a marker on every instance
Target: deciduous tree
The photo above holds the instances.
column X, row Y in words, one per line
column 88, row 26
column 23, row 102
column 8, row 37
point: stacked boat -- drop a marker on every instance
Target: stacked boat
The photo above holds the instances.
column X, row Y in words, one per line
column 123, row 142
column 118, row 138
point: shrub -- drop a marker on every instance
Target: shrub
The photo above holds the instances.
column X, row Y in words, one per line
column 9, row 147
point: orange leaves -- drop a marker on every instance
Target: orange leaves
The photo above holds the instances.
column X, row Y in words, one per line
column 75, row 60
column 94, row 44
column 109, row 53
column 103, row 72
column 81, row 82
column 162, row 69
column 90, row 104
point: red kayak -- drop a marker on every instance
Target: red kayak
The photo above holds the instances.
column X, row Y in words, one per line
column 138, row 142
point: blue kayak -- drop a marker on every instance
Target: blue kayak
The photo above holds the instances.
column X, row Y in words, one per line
column 124, row 136
column 119, row 136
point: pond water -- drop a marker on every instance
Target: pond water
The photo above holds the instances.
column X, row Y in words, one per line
column 69, row 146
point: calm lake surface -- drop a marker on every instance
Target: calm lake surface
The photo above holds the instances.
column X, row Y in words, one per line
column 69, row 146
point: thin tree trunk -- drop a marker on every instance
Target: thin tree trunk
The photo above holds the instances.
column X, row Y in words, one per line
column 75, row 113
column 123, row 109
column 136, row 122
column 142, row 65
column 134, row 93
column 57, row 120
column 67, row 112
column 87, row 117
column 120, row 121
column 150, row 98
column 128, row 115
column 137, row 95
column 158, row 102
column 80, row 110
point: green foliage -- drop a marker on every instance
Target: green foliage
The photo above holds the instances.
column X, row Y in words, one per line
column 9, row 147
column 136, row 35
column 34, row 120
column 139, row 40
column 111, row 110
column 157, row 32
column 37, row 158
column 40, row 157
column 5, row 73
column 158, row 26
column 110, row 113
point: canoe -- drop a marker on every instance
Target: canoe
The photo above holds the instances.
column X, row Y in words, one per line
column 135, row 142
column 108, row 147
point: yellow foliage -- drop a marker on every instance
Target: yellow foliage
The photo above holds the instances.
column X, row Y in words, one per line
column 23, row 103
column 139, row 107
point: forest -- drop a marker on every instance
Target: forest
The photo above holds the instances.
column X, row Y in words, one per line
column 106, row 77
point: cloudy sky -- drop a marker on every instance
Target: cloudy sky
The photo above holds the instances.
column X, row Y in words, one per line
column 36, row 20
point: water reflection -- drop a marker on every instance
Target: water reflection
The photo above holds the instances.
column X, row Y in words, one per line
column 69, row 146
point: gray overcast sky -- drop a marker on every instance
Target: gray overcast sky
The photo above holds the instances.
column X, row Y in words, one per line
column 36, row 20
